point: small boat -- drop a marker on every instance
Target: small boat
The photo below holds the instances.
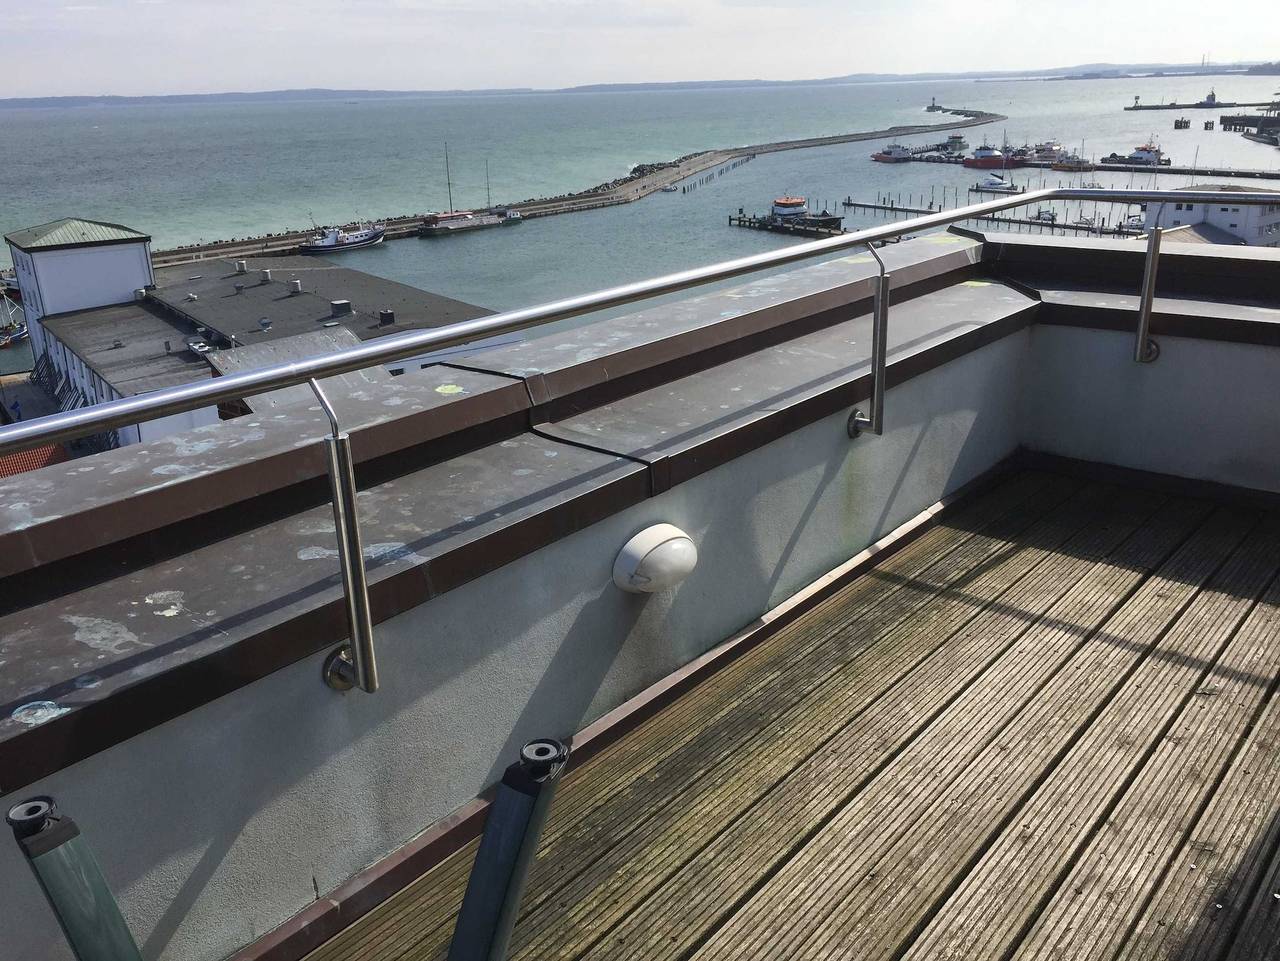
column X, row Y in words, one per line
column 790, row 207
column 1085, row 221
column 670, row 189
column 12, row 335
column 1049, row 151
column 1092, row 185
column 1148, row 155
column 895, row 153
column 1073, row 163
column 329, row 240
column 995, row 184
column 1135, row 222
column 453, row 221
column 1045, row 216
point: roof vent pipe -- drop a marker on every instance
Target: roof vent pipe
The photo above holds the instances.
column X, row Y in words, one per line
column 266, row 276
column 386, row 317
column 192, row 297
column 340, row 308
column 140, row 293
column 295, row 287
column 239, row 288
column 241, row 267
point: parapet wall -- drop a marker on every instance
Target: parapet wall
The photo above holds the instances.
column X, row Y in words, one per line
column 225, row 788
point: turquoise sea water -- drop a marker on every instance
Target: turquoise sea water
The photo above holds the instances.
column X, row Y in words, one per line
column 190, row 172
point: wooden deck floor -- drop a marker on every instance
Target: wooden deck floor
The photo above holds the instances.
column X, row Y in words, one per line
column 1046, row 729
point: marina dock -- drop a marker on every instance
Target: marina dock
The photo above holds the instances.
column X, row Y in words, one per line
column 887, row 210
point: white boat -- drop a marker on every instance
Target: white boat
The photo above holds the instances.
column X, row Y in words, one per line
column 955, row 144
column 328, row 240
column 1135, row 222
column 1045, row 216
column 996, row 184
column 670, row 189
column 1050, row 151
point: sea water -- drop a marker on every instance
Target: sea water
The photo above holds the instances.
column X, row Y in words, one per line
column 191, row 172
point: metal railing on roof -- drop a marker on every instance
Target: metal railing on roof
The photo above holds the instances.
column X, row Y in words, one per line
column 174, row 400
column 356, row 666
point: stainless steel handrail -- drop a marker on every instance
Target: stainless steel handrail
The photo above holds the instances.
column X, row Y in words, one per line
column 354, row 665
column 81, row 422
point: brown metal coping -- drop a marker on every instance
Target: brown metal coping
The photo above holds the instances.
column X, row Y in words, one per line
column 185, row 512
column 122, row 710
column 341, row 907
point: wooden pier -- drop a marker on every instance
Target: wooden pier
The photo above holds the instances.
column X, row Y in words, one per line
column 886, row 210
column 778, row 226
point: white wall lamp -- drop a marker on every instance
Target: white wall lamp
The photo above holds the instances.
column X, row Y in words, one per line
column 657, row 558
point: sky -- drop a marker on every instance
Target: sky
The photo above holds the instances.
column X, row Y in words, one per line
column 132, row 47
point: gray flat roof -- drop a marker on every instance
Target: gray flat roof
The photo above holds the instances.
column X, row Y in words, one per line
column 141, row 363
column 221, row 308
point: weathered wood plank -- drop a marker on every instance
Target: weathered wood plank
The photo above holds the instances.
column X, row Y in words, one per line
column 863, row 883
column 420, row 917
column 1197, row 910
column 1186, row 713
column 609, row 887
column 691, row 903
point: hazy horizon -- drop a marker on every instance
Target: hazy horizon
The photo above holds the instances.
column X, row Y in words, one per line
column 174, row 47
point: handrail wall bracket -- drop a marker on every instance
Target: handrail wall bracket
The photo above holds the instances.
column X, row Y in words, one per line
column 858, row 421
column 1146, row 350
column 353, row 664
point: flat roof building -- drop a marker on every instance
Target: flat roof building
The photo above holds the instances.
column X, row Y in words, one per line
column 105, row 325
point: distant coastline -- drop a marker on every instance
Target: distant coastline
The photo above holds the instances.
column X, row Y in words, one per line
column 1080, row 71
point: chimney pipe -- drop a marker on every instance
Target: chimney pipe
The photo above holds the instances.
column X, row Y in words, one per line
column 295, row 287
column 339, row 308
column 241, row 267
column 386, row 317
column 266, row 276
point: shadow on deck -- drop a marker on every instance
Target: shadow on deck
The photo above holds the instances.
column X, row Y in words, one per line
column 1046, row 728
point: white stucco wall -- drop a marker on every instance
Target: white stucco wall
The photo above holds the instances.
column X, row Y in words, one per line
column 1205, row 409
column 215, row 827
column 83, row 277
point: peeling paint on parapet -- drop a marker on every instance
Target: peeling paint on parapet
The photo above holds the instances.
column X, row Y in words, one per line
column 169, row 602
column 38, row 712
column 103, row 635
column 390, row 551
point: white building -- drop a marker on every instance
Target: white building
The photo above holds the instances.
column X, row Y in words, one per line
column 68, row 271
column 1223, row 221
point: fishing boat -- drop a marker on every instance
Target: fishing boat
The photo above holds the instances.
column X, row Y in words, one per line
column 330, row 240
column 955, row 144
column 790, row 207
column 453, row 221
column 895, row 153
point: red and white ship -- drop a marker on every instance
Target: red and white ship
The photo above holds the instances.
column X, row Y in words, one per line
column 988, row 157
column 895, row 153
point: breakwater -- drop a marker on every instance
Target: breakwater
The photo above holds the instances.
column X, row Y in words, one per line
column 645, row 179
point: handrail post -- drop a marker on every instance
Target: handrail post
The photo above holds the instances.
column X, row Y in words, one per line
column 354, row 664
column 1144, row 348
column 858, row 421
